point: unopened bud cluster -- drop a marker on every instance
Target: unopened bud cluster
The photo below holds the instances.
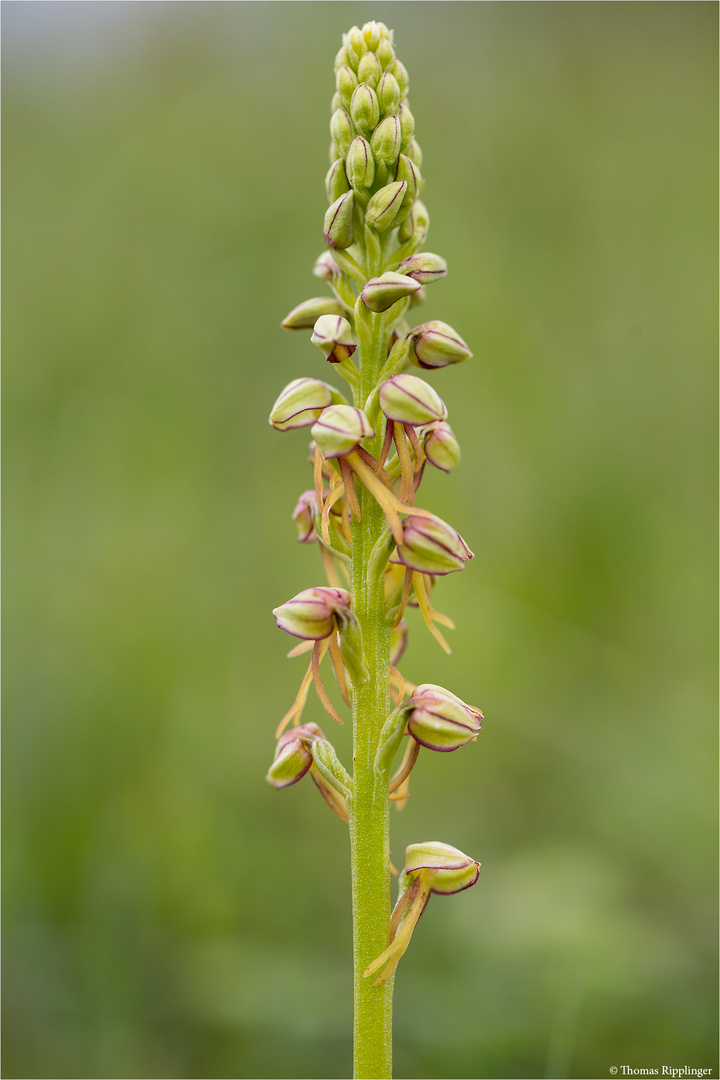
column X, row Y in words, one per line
column 378, row 441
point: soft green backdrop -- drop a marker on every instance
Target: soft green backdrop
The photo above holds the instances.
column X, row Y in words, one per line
column 167, row 914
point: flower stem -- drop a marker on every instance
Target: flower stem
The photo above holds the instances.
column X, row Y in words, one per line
column 369, row 806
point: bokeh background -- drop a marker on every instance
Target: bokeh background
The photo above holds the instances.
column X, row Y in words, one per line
column 166, row 913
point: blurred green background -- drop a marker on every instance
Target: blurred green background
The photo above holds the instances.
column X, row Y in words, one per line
column 167, row 914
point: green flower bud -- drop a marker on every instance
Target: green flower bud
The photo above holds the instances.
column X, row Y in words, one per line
column 439, row 720
column 326, row 268
column 373, row 32
column 382, row 292
column 315, row 613
column 385, row 205
column 355, row 45
column 301, row 403
column 336, row 102
column 423, row 267
column 385, row 141
column 385, row 53
column 407, row 127
column 435, row 344
column 416, row 224
column 338, row 227
column 333, row 336
column 329, row 771
column 341, row 130
column 431, row 867
column 408, row 171
column 305, row 315
column 454, row 871
column 429, row 544
column 336, row 181
column 441, row 447
column 359, row 163
column 364, row 109
column 293, row 757
column 411, row 175
column 341, row 58
column 304, row 514
column 339, row 429
column 415, row 153
column 345, row 82
column 369, row 69
column 410, row 400
column 388, row 93
column 399, row 70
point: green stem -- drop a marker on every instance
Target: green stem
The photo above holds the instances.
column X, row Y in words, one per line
column 369, row 807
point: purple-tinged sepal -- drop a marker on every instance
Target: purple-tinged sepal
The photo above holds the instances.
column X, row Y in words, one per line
column 414, row 228
column 435, row 345
column 304, row 516
column 423, row 267
column 326, row 268
column 451, row 868
column 370, row 70
column 364, row 109
column 293, row 756
column 315, row 614
column 334, row 338
column 410, row 173
column 380, row 293
column 338, row 227
column 388, row 93
column 345, row 83
column 341, row 129
column 385, row 141
column 339, row 429
column 360, row 164
column 440, row 720
column 430, row 545
column 411, row 400
column 440, row 446
column 385, row 205
column 305, row 315
column 336, row 181
column 301, row 403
